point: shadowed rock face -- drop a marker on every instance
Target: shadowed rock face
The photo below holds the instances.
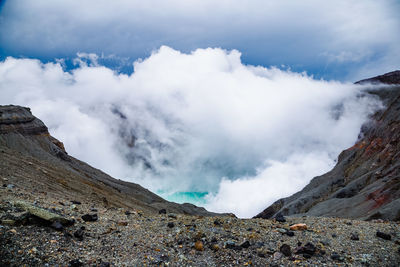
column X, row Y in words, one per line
column 20, row 119
column 365, row 183
column 40, row 163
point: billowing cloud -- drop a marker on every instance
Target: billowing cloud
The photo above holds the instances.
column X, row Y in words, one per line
column 199, row 122
column 333, row 39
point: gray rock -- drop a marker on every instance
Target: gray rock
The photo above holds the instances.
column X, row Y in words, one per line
column 42, row 213
column 285, row 250
column 90, row 217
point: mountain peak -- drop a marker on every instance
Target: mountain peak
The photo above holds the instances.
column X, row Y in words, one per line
column 387, row 78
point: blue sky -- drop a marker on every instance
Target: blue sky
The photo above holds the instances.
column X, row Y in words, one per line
column 344, row 40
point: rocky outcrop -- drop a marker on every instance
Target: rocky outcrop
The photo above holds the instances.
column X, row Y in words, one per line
column 20, row 120
column 365, row 183
column 32, row 159
column 388, row 78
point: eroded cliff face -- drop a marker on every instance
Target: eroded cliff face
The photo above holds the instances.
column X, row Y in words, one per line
column 20, row 120
column 365, row 183
column 35, row 161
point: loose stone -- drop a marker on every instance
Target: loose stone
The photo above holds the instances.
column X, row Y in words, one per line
column 383, row 235
column 57, row 226
column 336, row 257
column 245, row 244
column 277, row 256
column 75, row 263
column 199, row 246
column 354, row 236
column 285, row 249
column 90, row 217
column 298, row 226
column 79, row 234
column 280, row 218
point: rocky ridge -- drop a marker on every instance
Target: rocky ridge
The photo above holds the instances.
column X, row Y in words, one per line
column 365, row 183
column 32, row 159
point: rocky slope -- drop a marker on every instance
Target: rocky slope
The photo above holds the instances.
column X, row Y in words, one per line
column 58, row 211
column 32, row 160
column 365, row 183
column 124, row 237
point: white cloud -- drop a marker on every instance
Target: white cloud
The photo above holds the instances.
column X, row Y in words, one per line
column 294, row 33
column 203, row 121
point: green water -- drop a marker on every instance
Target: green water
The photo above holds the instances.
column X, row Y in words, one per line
column 197, row 198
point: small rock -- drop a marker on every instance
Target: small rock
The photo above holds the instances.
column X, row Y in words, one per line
column 75, row 263
column 259, row 244
column 122, row 223
column 354, row 236
column 215, row 247
column 280, row 218
column 162, row 211
column 290, row 233
column 8, row 222
column 260, row 253
column 217, row 222
column 383, row 235
column 245, row 244
column 57, row 226
column 277, row 256
column 172, row 215
column 336, row 257
column 105, row 264
column 10, row 186
column 79, row 234
column 199, row 246
column 307, row 250
column 281, row 230
column 90, row 217
column 298, row 226
column 33, row 250
column 170, row 224
column 76, row 202
column 285, row 249
column 230, row 245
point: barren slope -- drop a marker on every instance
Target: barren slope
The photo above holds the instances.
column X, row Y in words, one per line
column 365, row 183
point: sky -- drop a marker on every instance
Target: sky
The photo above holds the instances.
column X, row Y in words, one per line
column 343, row 40
column 228, row 105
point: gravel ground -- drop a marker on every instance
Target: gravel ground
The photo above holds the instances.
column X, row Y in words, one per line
column 121, row 237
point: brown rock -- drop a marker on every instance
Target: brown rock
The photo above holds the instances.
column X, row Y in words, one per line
column 298, row 227
column 199, row 246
